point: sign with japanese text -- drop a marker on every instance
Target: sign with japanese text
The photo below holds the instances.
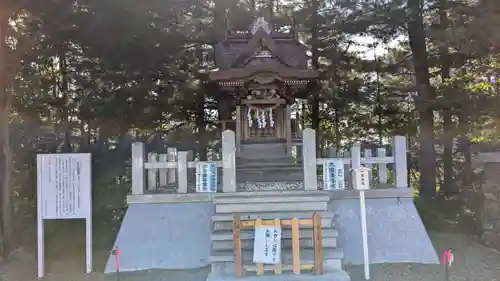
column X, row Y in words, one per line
column 362, row 178
column 267, row 245
column 64, row 185
column 333, row 174
column 206, row 177
column 64, row 191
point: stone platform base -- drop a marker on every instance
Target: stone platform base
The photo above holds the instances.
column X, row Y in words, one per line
column 336, row 275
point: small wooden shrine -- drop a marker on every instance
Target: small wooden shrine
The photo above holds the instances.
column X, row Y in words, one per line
column 259, row 74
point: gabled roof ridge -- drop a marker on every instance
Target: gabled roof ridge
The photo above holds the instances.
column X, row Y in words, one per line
column 267, row 40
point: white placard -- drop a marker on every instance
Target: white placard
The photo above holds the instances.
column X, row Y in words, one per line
column 267, row 245
column 64, row 192
column 362, row 178
column 206, row 177
column 333, row 174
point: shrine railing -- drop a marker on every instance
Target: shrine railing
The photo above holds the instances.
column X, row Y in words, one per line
column 278, row 266
column 336, row 169
column 177, row 171
column 173, row 169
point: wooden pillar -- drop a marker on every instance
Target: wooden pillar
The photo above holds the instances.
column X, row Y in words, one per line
column 288, row 129
column 238, row 129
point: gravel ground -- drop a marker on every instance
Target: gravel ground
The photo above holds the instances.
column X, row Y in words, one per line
column 473, row 263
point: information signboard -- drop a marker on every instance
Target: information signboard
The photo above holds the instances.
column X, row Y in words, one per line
column 206, row 177
column 333, row 174
column 63, row 192
column 267, row 245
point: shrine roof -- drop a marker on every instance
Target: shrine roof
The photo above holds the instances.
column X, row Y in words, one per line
column 230, row 52
column 263, row 65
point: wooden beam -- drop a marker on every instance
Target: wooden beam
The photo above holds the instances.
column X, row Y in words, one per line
column 284, row 222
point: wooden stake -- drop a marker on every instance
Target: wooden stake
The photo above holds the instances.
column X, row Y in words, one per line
column 278, row 268
column 237, row 245
column 318, row 244
column 295, row 246
column 260, row 266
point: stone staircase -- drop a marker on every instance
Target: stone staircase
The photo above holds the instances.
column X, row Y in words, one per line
column 270, row 205
column 267, row 162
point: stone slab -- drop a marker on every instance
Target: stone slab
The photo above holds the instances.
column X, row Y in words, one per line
column 228, row 225
column 270, row 199
column 396, row 233
column 265, row 215
column 334, row 275
column 271, row 207
column 164, row 236
column 306, row 256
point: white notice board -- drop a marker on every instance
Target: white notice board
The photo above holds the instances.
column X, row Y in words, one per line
column 64, row 192
column 267, row 245
column 206, row 177
column 333, row 174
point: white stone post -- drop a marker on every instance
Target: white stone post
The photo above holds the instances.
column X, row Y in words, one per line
column 171, row 157
column 355, row 161
column 332, row 152
column 382, row 168
column 228, row 161
column 152, row 173
column 400, row 164
column 309, row 159
column 182, row 167
column 138, row 176
column 163, row 172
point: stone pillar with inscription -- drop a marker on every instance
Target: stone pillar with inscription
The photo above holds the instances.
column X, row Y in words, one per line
column 228, row 161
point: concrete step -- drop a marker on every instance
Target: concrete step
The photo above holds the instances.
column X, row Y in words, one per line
column 329, row 265
column 273, row 193
column 319, row 206
column 270, row 173
column 268, row 165
column 306, row 256
column 269, row 216
column 248, row 234
column 269, row 176
column 225, row 272
column 284, row 160
column 328, row 242
column 227, row 223
column 271, row 199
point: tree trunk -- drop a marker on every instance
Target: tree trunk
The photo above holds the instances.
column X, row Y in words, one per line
column 416, row 34
column 315, row 63
column 63, row 104
column 6, row 231
column 447, row 188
